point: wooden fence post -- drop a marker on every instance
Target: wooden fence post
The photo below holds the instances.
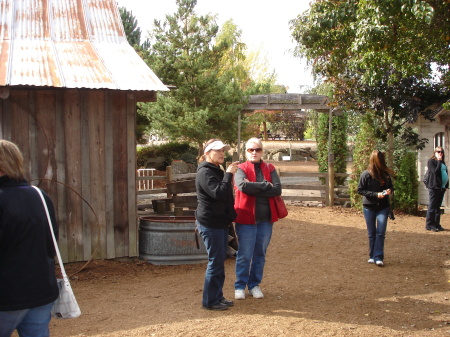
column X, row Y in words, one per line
column 169, row 178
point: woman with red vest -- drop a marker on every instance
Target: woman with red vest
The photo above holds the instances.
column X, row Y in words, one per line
column 256, row 183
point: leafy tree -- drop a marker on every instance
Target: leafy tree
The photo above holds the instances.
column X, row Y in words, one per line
column 370, row 37
column 206, row 98
column 375, row 55
column 364, row 145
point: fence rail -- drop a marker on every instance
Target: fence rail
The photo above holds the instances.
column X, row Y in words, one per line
column 148, row 177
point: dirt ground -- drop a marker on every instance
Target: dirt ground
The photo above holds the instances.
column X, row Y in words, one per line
column 317, row 283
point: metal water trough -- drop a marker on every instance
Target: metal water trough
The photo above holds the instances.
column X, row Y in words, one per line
column 169, row 240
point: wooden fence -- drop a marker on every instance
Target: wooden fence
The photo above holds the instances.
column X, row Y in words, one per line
column 148, row 177
column 323, row 189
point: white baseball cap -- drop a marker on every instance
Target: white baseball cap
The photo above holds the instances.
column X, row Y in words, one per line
column 216, row 145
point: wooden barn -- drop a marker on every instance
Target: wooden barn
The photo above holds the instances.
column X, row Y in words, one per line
column 437, row 133
column 69, row 84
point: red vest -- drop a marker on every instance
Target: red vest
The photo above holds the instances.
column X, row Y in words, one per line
column 244, row 204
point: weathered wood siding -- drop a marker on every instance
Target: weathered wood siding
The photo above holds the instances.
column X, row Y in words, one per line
column 80, row 144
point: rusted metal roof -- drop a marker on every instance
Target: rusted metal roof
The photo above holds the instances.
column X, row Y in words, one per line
column 69, row 44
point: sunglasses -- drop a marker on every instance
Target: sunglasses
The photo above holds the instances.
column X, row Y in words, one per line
column 258, row 149
column 439, row 151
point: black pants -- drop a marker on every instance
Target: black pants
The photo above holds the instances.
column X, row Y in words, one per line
column 434, row 207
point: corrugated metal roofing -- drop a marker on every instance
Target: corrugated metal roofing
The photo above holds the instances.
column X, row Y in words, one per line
column 69, row 44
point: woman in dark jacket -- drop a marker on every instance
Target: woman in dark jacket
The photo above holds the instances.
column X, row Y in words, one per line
column 375, row 185
column 28, row 285
column 437, row 182
column 214, row 214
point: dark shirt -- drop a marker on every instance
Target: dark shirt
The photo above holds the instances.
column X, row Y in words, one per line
column 27, row 265
column 434, row 174
column 215, row 196
column 369, row 188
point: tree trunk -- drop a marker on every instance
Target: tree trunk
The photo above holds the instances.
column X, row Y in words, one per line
column 390, row 154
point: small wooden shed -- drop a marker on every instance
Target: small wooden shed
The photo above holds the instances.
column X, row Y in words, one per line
column 69, row 84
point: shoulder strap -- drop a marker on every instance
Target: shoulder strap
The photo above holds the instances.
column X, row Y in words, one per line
column 63, row 271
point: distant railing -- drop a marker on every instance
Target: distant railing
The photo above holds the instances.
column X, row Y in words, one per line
column 324, row 189
column 146, row 178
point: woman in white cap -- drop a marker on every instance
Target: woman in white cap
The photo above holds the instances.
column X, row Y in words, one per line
column 214, row 214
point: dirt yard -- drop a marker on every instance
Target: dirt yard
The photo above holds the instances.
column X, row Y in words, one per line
column 317, row 283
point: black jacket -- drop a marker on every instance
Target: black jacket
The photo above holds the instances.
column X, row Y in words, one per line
column 369, row 189
column 215, row 196
column 27, row 265
column 434, row 174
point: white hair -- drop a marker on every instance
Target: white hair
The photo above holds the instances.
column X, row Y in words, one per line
column 254, row 140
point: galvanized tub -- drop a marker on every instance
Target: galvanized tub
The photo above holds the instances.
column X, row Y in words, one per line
column 170, row 240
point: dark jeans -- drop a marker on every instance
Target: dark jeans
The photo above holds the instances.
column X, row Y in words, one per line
column 434, row 207
column 376, row 222
column 216, row 242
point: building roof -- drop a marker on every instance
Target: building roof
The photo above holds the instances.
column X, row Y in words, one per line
column 69, row 44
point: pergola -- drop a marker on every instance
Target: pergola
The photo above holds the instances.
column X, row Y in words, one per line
column 298, row 103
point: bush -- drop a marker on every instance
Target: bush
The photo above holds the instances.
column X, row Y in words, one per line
column 169, row 151
column 364, row 145
column 407, row 184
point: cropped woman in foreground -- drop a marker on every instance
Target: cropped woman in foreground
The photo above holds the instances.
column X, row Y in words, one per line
column 28, row 284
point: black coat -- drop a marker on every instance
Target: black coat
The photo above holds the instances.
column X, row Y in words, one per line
column 27, row 265
column 434, row 174
column 369, row 189
column 215, row 196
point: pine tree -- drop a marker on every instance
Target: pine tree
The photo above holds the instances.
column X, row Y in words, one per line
column 205, row 100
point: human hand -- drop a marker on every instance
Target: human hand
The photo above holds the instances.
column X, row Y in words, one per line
column 233, row 167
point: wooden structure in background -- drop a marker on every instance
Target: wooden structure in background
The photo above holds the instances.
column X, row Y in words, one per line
column 298, row 103
column 69, row 84
column 79, row 144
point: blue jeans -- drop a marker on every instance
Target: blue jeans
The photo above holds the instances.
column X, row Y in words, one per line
column 434, row 207
column 253, row 241
column 216, row 242
column 28, row 322
column 376, row 222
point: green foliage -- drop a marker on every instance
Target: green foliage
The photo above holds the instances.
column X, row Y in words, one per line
column 407, row 184
column 371, row 37
column 338, row 144
column 364, row 145
column 130, row 25
column 170, row 151
column 288, row 124
column 207, row 98
column 378, row 55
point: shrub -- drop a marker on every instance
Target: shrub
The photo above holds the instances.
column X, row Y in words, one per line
column 364, row 145
column 169, row 151
column 407, row 184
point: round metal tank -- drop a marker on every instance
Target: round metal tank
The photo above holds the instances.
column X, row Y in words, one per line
column 170, row 240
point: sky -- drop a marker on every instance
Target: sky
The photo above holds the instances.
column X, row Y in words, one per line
column 264, row 25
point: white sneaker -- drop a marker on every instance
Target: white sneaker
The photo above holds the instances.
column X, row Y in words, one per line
column 371, row 260
column 239, row 294
column 256, row 292
column 379, row 263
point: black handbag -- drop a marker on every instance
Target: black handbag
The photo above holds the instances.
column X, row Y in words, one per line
column 391, row 212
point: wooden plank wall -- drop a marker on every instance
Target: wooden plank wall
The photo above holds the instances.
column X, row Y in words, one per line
column 80, row 144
